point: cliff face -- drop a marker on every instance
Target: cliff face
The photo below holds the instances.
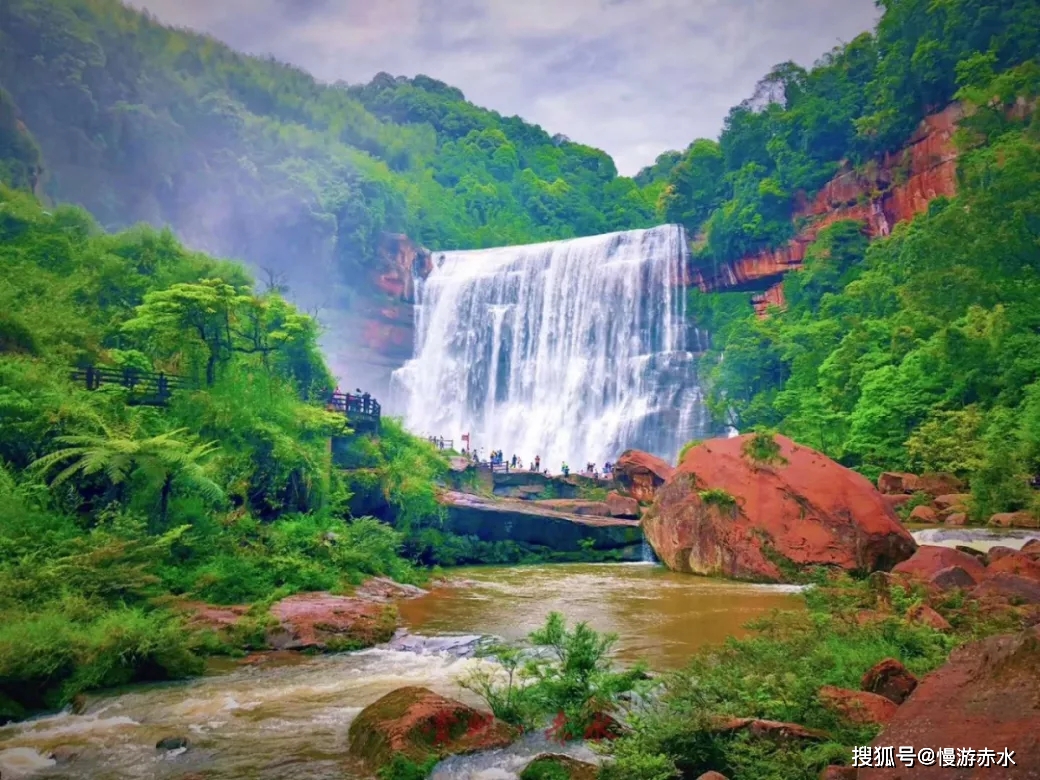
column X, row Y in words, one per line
column 893, row 190
column 381, row 321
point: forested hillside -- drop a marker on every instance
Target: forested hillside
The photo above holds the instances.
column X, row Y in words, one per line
column 252, row 159
column 918, row 351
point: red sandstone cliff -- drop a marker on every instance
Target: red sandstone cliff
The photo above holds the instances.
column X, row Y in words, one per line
column 893, row 190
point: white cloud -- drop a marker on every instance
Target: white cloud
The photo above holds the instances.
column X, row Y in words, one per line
column 633, row 77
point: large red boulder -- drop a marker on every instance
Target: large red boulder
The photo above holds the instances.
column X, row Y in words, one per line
column 1015, row 520
column 640, row 474
column 890, row 679
column 985, row 697
column 930, row 559
column 722, row 512
column 622, row 506
column 421, row 724
column 328, row 622
column 1017, row 563
column 858, row 706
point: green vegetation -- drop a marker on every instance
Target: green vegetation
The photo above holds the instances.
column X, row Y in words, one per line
column 566, row 676
column 762, row 449
column 110, row 512
column 859, row 101
column 720, row 498
column 776, row 674
column 144, row 123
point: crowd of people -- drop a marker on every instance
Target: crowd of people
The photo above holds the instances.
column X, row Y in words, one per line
column 497, row 460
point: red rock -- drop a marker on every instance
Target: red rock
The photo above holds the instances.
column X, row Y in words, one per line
column 896, row 500
column 973, row 552
column 323, row 620
column 937, row 484
column 1015, row 520
column 893, row 482
column 421, row 724
column 1009, row 587
column 622, row 506
column 955, row 501
column 927, row 616
column 574, row 506
column 922, row 514
column 769, row 729
column 956, row 518
column 713, row 775
column 208, row 616
column 952, row 577
column 1032, row 547
column 930, row 559
column 890, row 679
column 984, row 697
column 641, row 474
column 807, row 511
column 384, row 590
column 773, row 296
column 1017, row 563
column 838, row 773
column 858, row 706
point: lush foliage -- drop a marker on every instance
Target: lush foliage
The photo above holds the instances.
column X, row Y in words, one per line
column 109, row 508
column 565, row 675
column 255, row 159
column 776, row 674
column 862, row 99
column 918, row 351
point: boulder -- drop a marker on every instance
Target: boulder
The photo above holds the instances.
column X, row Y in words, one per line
column 838, row 773
column 954, row 501
column 894, row 482
column 421, row 724
column 712, row 775
column 984, row 697
column 929, row 559
column 720, row 513
column 557, row 765
column 573, row 506
column 927, row 616
column 641, row 474
column 622, row 506
column 1009, row 587
column 952, row 577
column 172, row 743
column 956, row 518
column 922, row 514
column 1032, row 547
column 939, row 484
column 890, row 679
column 1017, row 563
column 858, row 706
column 972, row 551
column 1014, row 520
column 328, row 622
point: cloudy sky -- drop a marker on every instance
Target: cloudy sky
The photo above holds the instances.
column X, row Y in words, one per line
column 633, row 77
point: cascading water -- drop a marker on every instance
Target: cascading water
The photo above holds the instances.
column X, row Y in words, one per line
column 572, row 350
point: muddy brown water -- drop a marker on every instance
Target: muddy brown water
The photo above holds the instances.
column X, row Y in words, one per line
column 288, row 719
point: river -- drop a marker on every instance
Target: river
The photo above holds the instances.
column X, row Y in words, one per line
column 287, row 718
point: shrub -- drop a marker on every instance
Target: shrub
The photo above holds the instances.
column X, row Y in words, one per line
column 762, row 450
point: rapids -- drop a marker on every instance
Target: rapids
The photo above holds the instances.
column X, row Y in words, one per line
column 287, row 718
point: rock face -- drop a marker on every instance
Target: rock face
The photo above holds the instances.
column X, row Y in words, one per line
column 641, row 474
column 531, row 522
column 325, row 621
column 986, row 696
column 908, row 181
column 420, row 724
column 622, row 506
column 721, row 514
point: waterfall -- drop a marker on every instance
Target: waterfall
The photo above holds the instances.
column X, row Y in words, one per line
column 648, row 555
column 572, row 350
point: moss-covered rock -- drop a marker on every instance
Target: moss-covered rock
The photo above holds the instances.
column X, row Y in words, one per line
column 419, row 724
column 554, row 766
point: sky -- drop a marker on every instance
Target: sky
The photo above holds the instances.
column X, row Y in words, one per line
column 632, row 77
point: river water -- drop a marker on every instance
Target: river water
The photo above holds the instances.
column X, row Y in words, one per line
column 287, row 718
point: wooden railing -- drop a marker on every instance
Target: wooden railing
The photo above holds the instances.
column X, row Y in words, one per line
column 147, row 388
column 150, row 388
column 441, row 443
column 363, row 411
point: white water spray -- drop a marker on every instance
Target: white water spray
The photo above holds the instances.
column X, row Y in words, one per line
column 571, row 350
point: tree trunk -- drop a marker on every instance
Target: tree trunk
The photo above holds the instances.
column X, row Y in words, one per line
column 164, row 503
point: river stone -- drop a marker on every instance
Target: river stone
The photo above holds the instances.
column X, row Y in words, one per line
column 172, row 743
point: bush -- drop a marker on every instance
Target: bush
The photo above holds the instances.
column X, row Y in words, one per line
column 763, row 450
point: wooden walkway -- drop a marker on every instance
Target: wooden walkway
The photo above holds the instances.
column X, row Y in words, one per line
column 152, row 388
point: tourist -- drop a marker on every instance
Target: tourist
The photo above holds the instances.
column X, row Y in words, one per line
column 537, row 462
column 565, row 469
column 514, row 460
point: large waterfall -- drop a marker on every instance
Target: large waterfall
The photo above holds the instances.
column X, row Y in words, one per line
column 571, row 350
